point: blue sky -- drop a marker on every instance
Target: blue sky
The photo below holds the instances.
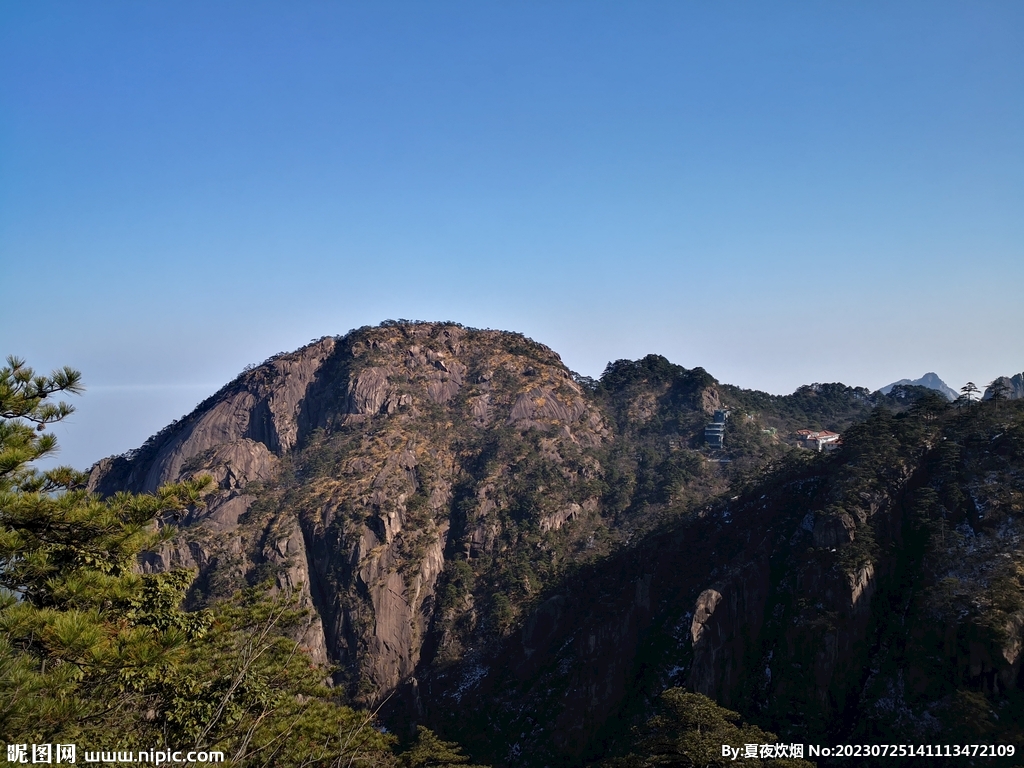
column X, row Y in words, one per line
column 779, row 192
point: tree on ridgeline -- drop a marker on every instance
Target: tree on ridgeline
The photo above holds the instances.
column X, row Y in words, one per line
column 998, row 390
column 968, row 391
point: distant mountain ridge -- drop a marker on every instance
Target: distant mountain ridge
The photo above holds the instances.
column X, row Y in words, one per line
column 929, row 380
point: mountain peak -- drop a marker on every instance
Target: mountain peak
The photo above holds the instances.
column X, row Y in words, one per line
column 1012, row 387
column 930, row 380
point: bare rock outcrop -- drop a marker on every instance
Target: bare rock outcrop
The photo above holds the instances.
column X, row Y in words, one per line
column 368, row 391
column 236, row 464
column 540, row 404
column 727, row 619
column 833, row 530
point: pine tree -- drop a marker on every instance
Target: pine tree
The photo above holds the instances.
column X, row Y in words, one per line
column 93, row 652
column 969, row 390
column 690, row 729
column 998, row 390
column 428, row 751
column 73, row 629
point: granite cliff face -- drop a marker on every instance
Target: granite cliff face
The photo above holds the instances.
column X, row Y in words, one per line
column 1011, row 387
column 522, row 558
column 356, row 470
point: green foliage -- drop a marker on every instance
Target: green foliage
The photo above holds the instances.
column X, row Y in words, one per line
column 94, row 653
column 813, row 406
column 249, row 691
column 84, row 640
column 82, row 634
column 969, row 392
column 456, row 582
column 24, row 411
column 652, row 370
column 689, row 730
column 998, row 390
column 967, row 717
column 502, row 612
column 428, row 751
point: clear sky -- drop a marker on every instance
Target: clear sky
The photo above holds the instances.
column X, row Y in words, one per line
column 779, row 192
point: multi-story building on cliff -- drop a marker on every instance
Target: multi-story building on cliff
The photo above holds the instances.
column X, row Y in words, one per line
column 714, row 433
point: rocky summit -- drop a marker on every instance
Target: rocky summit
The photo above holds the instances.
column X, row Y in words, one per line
column 523, row 558
column 929, row 380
